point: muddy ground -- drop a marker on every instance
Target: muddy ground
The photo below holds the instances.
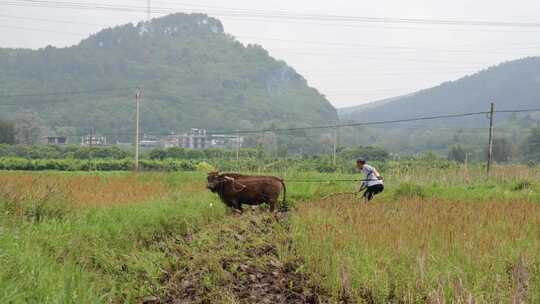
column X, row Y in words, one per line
column 243, row 259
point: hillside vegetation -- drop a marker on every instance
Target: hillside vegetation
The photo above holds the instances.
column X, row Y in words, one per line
column 192, row 73
column 510, row 85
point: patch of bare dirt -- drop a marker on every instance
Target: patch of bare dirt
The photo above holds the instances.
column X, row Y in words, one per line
column 238, row 261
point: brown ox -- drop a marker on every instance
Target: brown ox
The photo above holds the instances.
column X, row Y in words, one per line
column 237, row 189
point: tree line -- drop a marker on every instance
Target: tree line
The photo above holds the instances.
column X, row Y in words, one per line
column 14, row 143
column 504, row 150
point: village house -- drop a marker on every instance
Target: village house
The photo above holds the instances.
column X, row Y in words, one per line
column 56, row 140
column 93, row 140
column 194, row 139
column 200, row 139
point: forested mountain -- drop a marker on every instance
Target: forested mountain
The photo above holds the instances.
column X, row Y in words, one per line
column 192, row 74
column 510, row 85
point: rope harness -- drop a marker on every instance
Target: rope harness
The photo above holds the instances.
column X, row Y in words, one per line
column 329, row 181
column 234, row 182
column 242, row 187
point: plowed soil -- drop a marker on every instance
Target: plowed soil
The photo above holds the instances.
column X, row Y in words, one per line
column 244, row 259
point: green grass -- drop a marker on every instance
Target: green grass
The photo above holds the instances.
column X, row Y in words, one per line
column 95, row 249
column 96, row 255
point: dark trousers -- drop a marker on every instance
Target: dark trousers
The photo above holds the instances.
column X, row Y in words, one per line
column 372, row 190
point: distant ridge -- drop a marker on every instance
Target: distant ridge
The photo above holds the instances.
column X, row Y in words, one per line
column 511, row 85
column 348, row 113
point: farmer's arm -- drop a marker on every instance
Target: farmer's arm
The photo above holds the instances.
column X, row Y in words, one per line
column 362, row 186
column 377, row 173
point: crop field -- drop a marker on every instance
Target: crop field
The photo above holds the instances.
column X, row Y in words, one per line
column 436, row 235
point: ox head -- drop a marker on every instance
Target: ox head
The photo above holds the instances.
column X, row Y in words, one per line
column 215, row 181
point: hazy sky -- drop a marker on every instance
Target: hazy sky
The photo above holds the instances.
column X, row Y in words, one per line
column 350, row 62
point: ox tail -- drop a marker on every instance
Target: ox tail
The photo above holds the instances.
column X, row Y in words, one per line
column 284, row 202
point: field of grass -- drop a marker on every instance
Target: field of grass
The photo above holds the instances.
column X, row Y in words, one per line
column 432, row 238
column 80, row 238
column 419, row 250
column 439, row 235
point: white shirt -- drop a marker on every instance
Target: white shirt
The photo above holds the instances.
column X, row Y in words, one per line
column 372, row 180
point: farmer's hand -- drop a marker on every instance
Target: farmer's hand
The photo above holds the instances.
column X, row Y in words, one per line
column 380, row 177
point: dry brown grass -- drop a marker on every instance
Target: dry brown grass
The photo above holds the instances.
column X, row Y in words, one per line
column 82, row 190
column 424, row 250
column 463, row 174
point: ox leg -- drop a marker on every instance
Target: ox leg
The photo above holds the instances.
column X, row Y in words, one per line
column 229, row 204
column 238, row 206
column 272, row 204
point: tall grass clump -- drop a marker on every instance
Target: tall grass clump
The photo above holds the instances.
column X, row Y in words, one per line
column 409, row 190
column 521, row 185
column 418, row 251
column 26, row 197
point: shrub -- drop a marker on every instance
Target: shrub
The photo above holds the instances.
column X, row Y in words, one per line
column 325, row 168
column 205, row 167
column 409, row 190
column 521, row 185
column 22, row 164
column 158, row 154
column 47, row 202
column 370, row 153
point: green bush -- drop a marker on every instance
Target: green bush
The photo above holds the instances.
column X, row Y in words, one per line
column 326, row 168
column 409, row 190
column 368, row 152
column 22, row 164
column 521, row 185
column 62, row 152
column 205, row 167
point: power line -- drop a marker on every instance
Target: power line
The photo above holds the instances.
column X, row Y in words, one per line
column 41, row 30
column 276, row 15
column 51, row 20
column 356, row 124
column 328, row 43
column 382, row 122
column 67, row 93
column 517, row 111
column 285, row 51
column 374, row 58
column 378, row 47
column 299, row 52
column 380, row 26
column 371, row 19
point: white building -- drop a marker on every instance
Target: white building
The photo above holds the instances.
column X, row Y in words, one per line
column 150, row 142
column 226, row 141
column 195, row 139
column 93, row 140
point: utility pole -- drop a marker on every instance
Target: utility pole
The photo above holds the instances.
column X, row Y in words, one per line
column 490, row 146
column 90, row 146
column 335, row 146
column 137, row 121
column 237, row 146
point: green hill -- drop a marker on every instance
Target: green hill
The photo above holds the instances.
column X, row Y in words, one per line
column 192, row 73
column 511, row 85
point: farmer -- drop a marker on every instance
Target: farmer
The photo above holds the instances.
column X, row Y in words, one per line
column 373, row 182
